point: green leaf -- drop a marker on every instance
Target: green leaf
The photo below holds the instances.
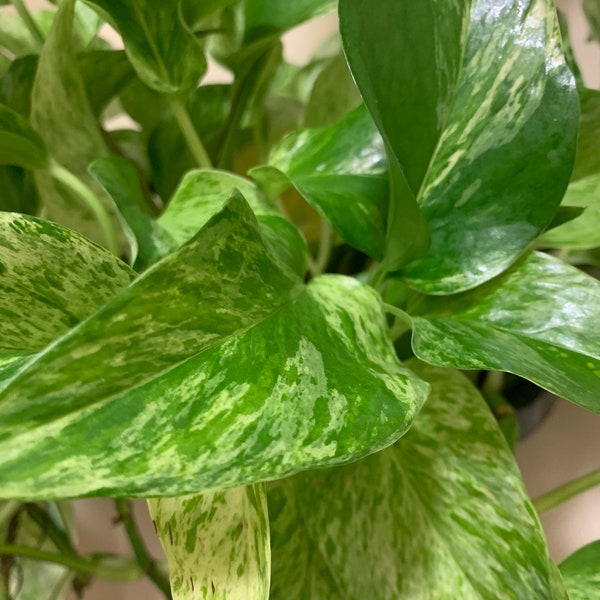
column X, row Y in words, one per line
column 476, row 103
column 57, row 274
column 162, row 50
column 61, row 112
column 18, row 190
column 202, row 193
column 592, row 12
column 441, row 514
column 333, row 95
column 17, row 83
column 20, row 144
column 581, row 573
column 265, row 18
column 149, row 241
column 342, row 171
column 217, row 544
column 16, row 37
column 166, row 375
column 541, row 320
column 582, row 232
column 105, row 73
column 587, row 161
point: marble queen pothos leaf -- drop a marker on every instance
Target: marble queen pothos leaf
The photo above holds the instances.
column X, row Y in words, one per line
column 581, row 573
column 443, row 513
column 51, row 278
column 342, row 171
column 217, row 544
column 217, row 367
column 475, row 101
column 162, row 50
column 541, row 320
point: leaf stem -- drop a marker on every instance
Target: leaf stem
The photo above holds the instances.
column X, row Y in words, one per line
column 87, row 195
column 48, row 526
column 31, row 25
column 398, row 313
column 324, row 252
column 145, row 561
column 555, row 497
column 190, row 134
column 93, row 566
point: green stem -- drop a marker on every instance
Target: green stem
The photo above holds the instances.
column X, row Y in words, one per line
column 552, row 499
column 31, row 25
column 85, row 193
column 93, row 566
column 7, row 510
column 145, row 561
column 190, row 134
column 47, row 525
column 398, row 313
column 325, row 240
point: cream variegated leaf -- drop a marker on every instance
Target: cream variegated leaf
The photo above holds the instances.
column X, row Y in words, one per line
column 217, row 543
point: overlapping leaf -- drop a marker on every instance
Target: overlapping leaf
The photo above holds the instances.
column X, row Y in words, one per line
column 202, row 193
column 159, row 45
column 51, row 279
column 476, row 103
column 215, row 368
column 441, row 514
column 342, row 171
column 20, row 144
column 61, row 113
column 275, row 16
column 217, row 544
column 581, row 573
column 540, row 321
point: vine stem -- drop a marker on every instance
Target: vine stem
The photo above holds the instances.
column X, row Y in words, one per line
column 552, row 499
column 190, row 134
column 145, row 561
column 130, row 572
column 28, row 20
column 95, row 205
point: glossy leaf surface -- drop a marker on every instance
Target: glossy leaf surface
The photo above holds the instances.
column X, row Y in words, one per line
column 61, row 113
column 20, row 145
column 475, row 101
column 60, row 277
column 218, row 346
column 541, row 321
column 342, row 171
column 162, row 50
column 217, row 544
column 581, row 573
column 443, row 513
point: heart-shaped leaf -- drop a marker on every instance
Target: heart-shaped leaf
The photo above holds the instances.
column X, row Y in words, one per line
column 478, row 107
column 60, row 277
column 342, row 171
column 541, row 321
column 162, row 50
column 20, row 144
column 217, row 346
column 217, row 544
column 443, row 513
column 581, row 574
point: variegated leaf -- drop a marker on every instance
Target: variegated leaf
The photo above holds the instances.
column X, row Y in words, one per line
column 217, row 544
column 441, row 514
column 202, row 193
column 475, row 101
column 215, row 368
column 51, row 278
column 162, row 50
column 541, row 320
column 342, row 171
column 581, row 573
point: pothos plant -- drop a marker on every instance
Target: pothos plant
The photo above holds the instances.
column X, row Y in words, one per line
column 252, row 305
